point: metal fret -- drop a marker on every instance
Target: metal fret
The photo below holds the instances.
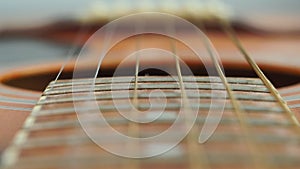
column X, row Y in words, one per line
column 119, row 95
column 169, row 106
column 15, row 108
column 164, row 119
column 7, row 99
column 295, row 97
column 96, row 160
column 60, row 124
column 295, row 106
column 81, row 139
column 149, row 79
column 145, row 86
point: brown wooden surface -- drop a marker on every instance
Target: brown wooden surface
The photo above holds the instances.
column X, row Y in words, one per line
column 43, row 148
column 272, row 52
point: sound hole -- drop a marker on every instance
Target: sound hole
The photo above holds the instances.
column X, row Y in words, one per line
column 39, row 81
column 153, row 72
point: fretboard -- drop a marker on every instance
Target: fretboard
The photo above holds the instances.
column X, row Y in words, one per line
column 53, row 137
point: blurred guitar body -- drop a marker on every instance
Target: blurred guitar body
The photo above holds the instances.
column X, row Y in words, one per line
column 21, row 87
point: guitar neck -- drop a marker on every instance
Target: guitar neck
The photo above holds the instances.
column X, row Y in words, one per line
column 54, row 135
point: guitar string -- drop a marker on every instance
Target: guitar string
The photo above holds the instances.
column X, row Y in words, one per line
column 283, row 104
column 178, row 69
column 12, row 153
column 133, row 127
column 72, row 52
column 238, row 110
column 28, row 101
column 192, row 145
column 230, row 32
column 70, row 55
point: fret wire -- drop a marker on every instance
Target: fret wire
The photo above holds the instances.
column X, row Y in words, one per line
column 60, row 124
column 294, row 97
column 94, row 159
column 192, row 145
column 6, row 99
column 15, row 108
column 102, row 96
column 126, row 79
column 291, row 90
column 239, row 112
column 169, row 106
column 205, row 86
column 230, row 32
column 164, row 119
column 17, row 93
column 293, row 106
column 80, row 138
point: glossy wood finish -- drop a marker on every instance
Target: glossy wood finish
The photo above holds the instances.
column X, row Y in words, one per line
column 14, row 109
column 273, row 53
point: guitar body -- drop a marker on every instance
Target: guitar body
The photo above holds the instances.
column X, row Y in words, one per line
column 42, row 127
column 276, row 55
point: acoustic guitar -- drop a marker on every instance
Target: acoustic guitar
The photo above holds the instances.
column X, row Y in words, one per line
column 52, row 114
